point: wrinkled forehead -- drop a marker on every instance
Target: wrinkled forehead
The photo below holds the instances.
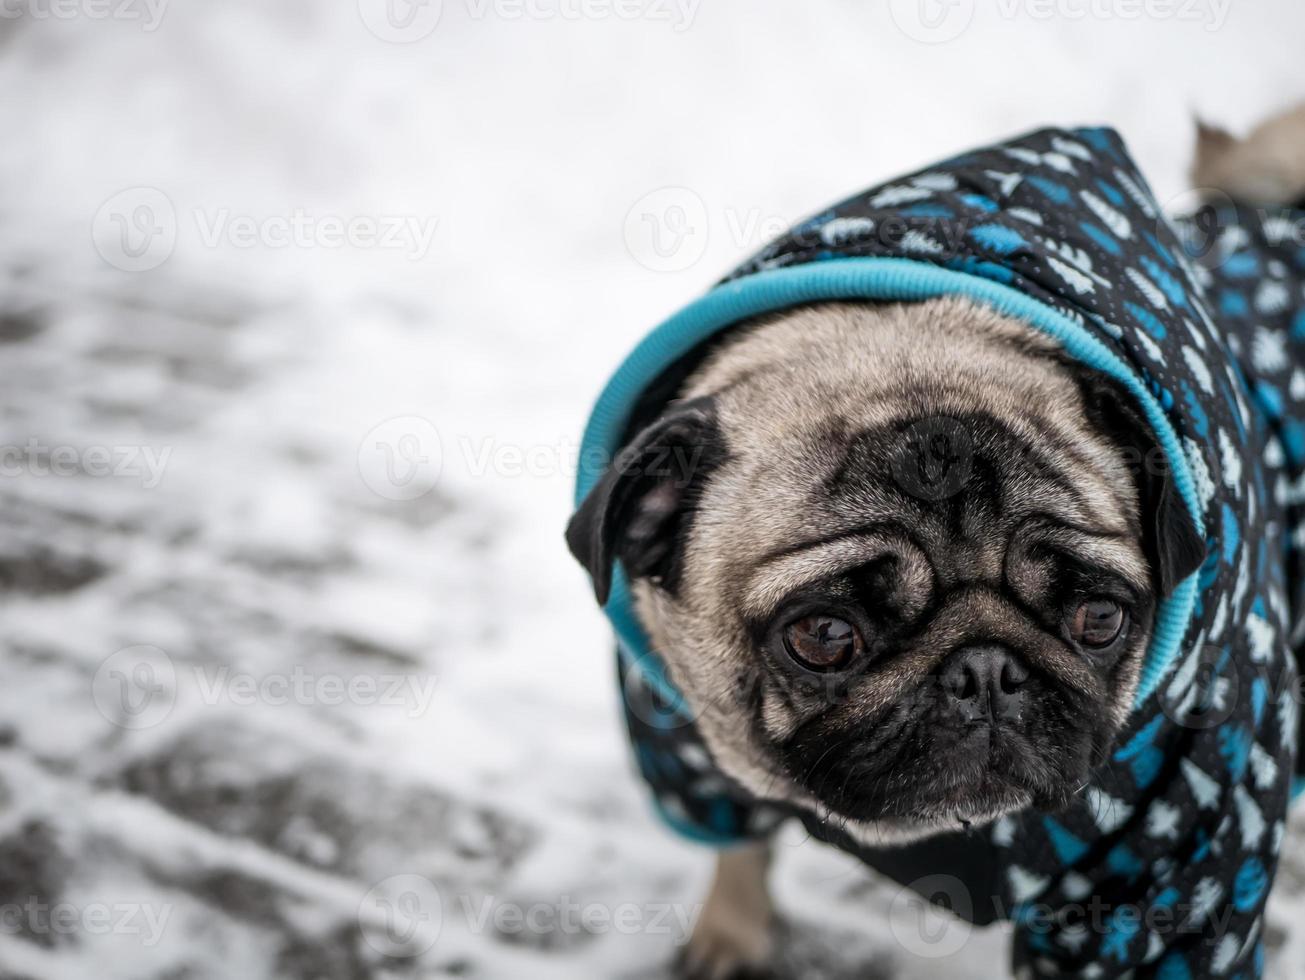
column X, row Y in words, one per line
column 951, row 499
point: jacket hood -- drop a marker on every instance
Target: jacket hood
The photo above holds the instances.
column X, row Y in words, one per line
column 1055, row 228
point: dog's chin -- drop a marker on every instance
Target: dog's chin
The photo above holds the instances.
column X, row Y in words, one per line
column 983, row 776
column 933, row 810
column 974, row 812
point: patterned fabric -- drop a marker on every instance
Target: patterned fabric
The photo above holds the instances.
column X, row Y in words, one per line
column 1162, row 866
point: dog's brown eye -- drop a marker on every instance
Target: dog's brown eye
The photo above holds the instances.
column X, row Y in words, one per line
column 822, row 642
column 1097, row 623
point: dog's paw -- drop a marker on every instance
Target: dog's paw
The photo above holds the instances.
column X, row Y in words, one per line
column 720, row 950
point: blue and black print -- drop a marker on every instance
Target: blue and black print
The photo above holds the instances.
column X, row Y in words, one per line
column 1175, row 842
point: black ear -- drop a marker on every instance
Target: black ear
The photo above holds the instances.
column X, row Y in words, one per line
column 639, row 511
column 1170, row 540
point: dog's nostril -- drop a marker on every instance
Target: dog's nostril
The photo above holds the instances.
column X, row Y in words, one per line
column 1013, row 675
column 972, row 683
column 960, row 681
column 986, row 679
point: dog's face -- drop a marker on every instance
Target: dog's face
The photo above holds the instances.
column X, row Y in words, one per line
column 902, row 561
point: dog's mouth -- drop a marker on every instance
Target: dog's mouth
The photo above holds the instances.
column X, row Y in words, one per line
column 967, row 777
column 985, row 772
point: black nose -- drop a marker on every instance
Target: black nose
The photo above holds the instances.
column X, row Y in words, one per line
column 985, row 681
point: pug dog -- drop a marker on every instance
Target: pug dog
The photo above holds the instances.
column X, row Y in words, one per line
column 904, row 560
column 983, row 645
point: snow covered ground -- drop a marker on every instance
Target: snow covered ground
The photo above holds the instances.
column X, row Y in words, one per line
column 302, row 307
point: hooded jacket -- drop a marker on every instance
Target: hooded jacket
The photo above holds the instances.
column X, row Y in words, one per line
column 1163, row 863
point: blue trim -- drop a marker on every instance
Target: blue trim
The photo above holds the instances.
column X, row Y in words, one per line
column 883, row 279
column 632, row 644
column 697, row 833
column 1297, row 787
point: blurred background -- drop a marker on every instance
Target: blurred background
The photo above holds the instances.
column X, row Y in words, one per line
column 302, row 309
